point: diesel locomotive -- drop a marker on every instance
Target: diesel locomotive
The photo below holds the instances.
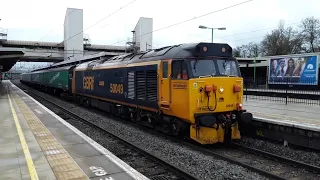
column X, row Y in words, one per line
column 191, row 90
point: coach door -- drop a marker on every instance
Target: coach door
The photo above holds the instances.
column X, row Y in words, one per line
column 72, row 80
column 165, row 72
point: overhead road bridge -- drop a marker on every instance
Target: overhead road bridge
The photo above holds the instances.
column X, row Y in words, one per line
column 8, row 57
column 12, row 51
column 99, row 56
column 60, row 46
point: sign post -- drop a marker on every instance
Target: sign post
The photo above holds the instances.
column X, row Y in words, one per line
column 254, row 70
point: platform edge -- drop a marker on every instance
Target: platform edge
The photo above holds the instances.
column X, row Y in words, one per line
column 131, row 171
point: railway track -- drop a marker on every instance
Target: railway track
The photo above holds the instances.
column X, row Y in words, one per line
column 264, row 163
column 269, row 165
column 145, row 162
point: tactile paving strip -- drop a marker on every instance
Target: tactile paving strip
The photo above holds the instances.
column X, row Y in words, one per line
column 62, row 164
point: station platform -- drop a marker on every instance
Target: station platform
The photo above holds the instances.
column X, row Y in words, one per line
column 292, row 115
column 36, row 144
column 285, row 91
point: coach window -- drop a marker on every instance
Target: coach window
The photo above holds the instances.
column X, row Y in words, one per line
column 165, row 70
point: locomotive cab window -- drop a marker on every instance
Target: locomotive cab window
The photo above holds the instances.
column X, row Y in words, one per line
column 203, row 68
column 228, row 68
column 179, row 70
column 165, row 69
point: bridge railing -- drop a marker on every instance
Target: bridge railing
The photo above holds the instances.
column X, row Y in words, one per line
column 3, row 34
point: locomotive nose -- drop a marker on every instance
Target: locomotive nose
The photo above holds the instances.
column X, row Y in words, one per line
column 220, row 94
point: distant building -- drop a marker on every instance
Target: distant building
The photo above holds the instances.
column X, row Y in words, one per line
column 142, row 36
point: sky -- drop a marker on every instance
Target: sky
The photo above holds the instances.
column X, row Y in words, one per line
column 35, row 20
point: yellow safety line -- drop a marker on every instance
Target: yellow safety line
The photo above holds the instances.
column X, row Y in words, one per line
column 31, row 167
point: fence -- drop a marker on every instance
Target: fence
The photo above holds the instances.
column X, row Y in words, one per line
column 287, row 91
column 3, row 34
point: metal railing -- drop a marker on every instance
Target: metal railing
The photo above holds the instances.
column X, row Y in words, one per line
column 3, row 34
column 286, row 91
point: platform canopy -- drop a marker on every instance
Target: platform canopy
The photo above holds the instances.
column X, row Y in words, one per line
column 8, row 57
column 250, row 60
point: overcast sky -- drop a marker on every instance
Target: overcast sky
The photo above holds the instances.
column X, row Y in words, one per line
column 43, row 20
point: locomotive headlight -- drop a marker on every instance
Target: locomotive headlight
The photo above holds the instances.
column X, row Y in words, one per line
column 221, row 90
column 239, row 106
column 205, row 49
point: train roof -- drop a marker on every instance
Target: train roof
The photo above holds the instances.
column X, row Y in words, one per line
column 181, row 51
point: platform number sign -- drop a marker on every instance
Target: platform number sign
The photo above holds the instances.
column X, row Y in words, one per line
column 99, row 171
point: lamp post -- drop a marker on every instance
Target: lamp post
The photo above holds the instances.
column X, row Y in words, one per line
column 205, row 27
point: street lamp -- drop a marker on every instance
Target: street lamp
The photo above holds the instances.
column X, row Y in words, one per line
column 205, row 27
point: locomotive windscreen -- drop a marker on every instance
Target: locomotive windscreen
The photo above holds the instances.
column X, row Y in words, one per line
column 213, row 67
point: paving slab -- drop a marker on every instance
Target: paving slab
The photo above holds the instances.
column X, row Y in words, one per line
column 56, row 149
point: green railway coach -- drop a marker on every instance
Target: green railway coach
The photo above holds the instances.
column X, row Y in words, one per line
column 56, row 78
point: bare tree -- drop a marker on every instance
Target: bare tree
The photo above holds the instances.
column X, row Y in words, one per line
column 237, row 52
column 281, row 41
column 249, row 50
column 253, row 49
column 311, row 33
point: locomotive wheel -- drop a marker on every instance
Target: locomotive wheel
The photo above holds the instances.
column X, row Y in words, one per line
column 175, row 127
column 86, row 102
column 132, row 117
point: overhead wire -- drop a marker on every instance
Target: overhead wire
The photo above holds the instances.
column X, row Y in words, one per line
column 55, row 27
column 241, row 33
column 166, row 27
column 221, row 37
column 254, row 31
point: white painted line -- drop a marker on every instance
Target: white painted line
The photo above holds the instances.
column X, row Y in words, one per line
column 131, row 171
column 38, row 111
column 24, row 97
column 312, row 127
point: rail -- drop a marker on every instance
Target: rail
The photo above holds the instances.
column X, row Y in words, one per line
column 249, row 158
column 277, row 157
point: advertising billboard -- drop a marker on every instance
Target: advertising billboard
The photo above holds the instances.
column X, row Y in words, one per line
column 301, row 70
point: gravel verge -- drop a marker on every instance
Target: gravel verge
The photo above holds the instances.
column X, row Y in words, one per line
column 197, row 163
column 284, row 170
column 309, row 157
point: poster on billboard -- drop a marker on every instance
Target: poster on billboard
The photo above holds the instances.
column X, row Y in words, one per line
column 301, row 70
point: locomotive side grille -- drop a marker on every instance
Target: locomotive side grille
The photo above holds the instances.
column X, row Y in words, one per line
column 141, row 85
column 131, row 85
column 152, row 85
